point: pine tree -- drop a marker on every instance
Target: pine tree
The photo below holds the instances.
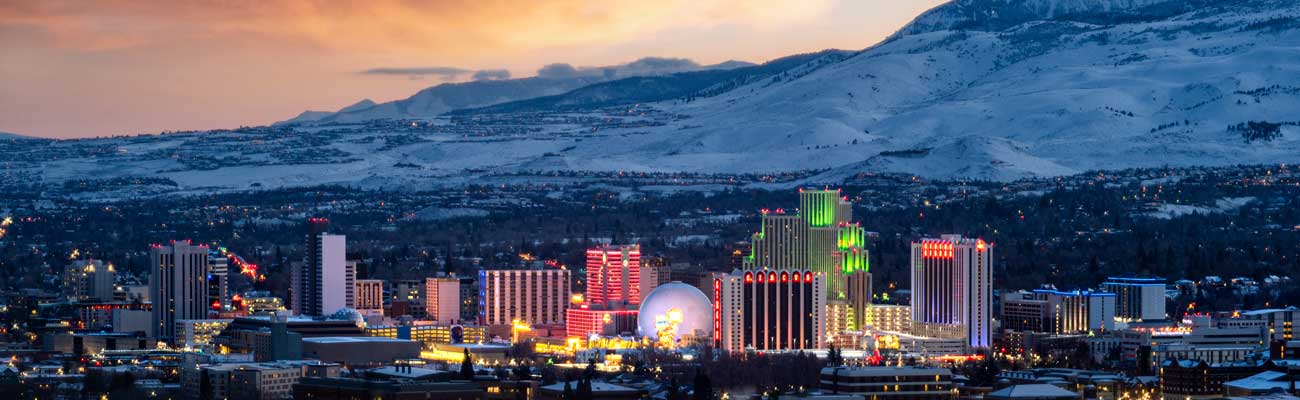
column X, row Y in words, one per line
column 467, row 367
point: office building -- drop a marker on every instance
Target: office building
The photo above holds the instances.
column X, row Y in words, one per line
column 769, row 310
column 90, row 280
column 264, row 381
column 360, row 351
column 407, row 298
column 654, row 274
column 218, row 280
column 247, row 380
column 262, row 303
column 1281, row 323
column 442, row 300
column 178, row 285
column 819, row 237
column 323, row 282
column 1137, row 299
column 889, row 383
column 468, row 298
column 369, row 296
column 198, row 333
column 890, row 318
column 532, row 296
column 952, row 290
column 1058, row 312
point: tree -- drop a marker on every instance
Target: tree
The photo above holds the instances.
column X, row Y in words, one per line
column 703, row 386
column 467, row 366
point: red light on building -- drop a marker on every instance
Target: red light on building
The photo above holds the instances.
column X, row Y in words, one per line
column 785, row 277
column 761, row 277
column 807, row 276
column 796, row 277
column 771, row 277
column 749, row 277
column 979, row 245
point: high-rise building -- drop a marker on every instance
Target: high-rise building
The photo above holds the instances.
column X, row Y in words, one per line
column 952, row 291
column 218, row 279
column 369, row 296
column 532, row 296
column 653, row 275
column 442, row 299
column 617, row 282
column 820, row 237
column 1137, row 299
column 178, row 285
column 614, row 274
column 323, row 282
column 90, row 280
column 769, row 310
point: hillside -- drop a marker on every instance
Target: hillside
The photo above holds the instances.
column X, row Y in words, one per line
column 1048, row 88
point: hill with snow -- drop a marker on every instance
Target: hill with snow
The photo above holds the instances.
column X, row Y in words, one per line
column 983, row 89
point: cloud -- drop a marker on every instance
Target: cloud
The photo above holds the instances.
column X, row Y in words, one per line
column 443, row 73
column 491, row 74
column 641, row 67
column 558, row 71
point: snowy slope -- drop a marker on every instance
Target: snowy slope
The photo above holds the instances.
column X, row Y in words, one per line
column 1064, row 87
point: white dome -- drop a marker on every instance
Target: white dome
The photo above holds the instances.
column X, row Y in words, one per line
column 679, row 303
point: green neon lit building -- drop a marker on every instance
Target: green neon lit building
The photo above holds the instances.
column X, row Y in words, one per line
column 820, row 236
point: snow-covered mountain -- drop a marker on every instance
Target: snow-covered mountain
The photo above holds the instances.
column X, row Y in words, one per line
column 1047, row 88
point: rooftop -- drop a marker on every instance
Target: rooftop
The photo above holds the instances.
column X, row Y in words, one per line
column 887, row 371
column 1032, row 391
column 1262, row 381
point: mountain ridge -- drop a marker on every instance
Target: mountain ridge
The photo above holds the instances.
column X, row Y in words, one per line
column 1178, row 83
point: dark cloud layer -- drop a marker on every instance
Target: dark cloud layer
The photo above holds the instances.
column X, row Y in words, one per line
column 640, row 67
column 491, row 74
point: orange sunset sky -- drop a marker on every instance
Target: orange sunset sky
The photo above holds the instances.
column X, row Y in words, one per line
column 98, row 68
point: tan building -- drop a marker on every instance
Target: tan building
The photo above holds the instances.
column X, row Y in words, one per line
column 890, row 317
column 369, row 296
column 442, row 300
column 196, row 333
column 532, row 296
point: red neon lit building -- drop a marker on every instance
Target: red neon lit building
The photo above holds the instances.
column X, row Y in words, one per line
column 614, row 275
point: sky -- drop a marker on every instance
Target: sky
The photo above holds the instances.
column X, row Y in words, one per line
column 93, row 68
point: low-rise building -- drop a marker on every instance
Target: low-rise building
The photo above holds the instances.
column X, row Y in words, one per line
column 890, row 383
column 359, row 351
